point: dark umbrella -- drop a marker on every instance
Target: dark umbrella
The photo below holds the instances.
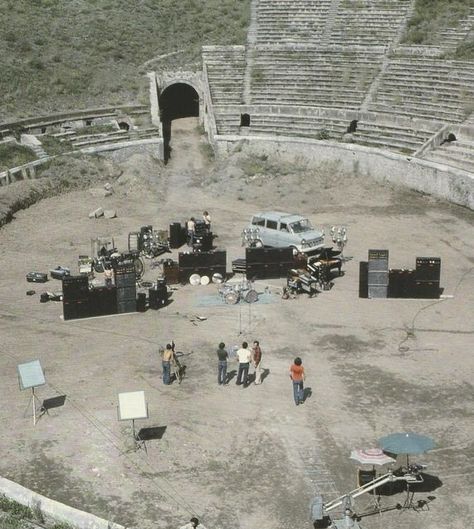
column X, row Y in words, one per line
column 406, row 443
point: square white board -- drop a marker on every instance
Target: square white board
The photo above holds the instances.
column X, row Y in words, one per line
column 132, row 405
column 31, row 375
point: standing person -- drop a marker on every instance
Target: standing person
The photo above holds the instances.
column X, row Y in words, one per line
column 191, row 230
column 297, row 375
column 207, row 220
column 244, row 356
column 222, row 357
column 167, row 357
column 257, row 361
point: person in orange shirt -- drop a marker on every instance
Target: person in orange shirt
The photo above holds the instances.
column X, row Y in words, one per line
column 297, row 376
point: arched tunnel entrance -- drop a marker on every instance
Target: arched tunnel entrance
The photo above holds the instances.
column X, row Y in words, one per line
column 179, row 100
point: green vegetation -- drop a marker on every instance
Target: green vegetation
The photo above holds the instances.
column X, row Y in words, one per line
column 14, row 508
column 432, row 16
column 65, row 55
column 464, row 52
column 13, row 515
column 53, row 146
column 14, row 155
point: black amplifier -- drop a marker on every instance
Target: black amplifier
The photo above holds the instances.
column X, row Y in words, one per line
column 75, row 288
column 428, row 268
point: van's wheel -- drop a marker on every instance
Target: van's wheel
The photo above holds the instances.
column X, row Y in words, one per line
column 295, row 251
column 258, row 244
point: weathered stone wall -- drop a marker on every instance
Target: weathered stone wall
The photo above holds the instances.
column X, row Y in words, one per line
column 445, row 182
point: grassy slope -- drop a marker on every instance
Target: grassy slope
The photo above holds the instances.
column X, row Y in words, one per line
column 431, row 16
column 57, row 54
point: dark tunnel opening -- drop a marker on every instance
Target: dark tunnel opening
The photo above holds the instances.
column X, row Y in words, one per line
column 179, row 100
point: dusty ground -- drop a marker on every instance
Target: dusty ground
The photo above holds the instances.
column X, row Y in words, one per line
column 244, row 458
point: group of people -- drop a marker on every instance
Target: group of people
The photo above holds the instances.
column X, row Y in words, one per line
column 244, row 356
column 191, row 226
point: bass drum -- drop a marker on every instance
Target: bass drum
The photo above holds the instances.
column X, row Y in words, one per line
column 251, row 296
column 231, row 297
column 139, row 267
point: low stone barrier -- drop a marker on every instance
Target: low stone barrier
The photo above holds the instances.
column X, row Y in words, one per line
column 53, row 509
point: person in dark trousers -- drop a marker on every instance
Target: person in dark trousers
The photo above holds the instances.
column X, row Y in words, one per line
column 244, row 355
column 166, row 359
column 222, row 357
column 297, row 376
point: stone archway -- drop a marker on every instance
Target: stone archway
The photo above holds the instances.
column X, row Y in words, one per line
column 177, row 100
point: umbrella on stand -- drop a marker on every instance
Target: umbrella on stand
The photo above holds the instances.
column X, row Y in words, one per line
column 371, row 456
column 406, row 443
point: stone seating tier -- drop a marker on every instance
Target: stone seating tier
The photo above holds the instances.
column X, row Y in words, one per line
column 225, row 72
column 458, row 153
column 406, row 137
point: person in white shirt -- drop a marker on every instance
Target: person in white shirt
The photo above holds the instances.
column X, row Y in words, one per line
column 244, row 355
column 207, row 220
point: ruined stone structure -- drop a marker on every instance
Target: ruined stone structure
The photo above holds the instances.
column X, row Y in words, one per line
column 332, row 73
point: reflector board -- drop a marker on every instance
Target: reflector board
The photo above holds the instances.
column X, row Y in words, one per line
column 132, row 406
column 30, row 375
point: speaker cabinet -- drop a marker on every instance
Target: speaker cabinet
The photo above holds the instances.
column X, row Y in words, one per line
column 428, row 268
column 177, row 235
column 73, row 310
column 75, row 288
column 363, row 279
column 141, row 302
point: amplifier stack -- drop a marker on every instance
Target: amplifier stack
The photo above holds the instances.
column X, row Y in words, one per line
column 125, row 281
column 428, row 273
column 268, row 263
column 158, row 295
column 177, row 235
column 377, row 278
column 202, row 263
column 76, row 297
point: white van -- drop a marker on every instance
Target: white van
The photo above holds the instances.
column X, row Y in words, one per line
column 280, row 230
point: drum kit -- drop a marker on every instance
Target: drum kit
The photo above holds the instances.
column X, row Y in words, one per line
column 242, row 291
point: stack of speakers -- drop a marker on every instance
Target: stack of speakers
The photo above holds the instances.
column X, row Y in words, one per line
column 158, row 295
column 141, row 302
column 177, row 235
column 202, row 263
column 401, row 283
column 125, row 281
column 268, row 263
column 171, row 272
column 103, row 301
column 377, row 278
column 76, row 297
column 428, row 273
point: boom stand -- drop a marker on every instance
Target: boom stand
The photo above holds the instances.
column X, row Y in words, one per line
column 138, row 443
column 33, row 401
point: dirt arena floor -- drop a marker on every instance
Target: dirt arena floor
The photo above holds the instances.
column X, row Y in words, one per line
column 246, row 458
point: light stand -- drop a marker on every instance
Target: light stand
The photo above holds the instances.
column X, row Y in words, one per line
column 339, row 238
column 30, row 375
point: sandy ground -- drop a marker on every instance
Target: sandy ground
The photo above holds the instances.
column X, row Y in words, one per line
column 246, row 458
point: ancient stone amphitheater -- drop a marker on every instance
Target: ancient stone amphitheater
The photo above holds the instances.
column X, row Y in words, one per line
column 322, row 79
